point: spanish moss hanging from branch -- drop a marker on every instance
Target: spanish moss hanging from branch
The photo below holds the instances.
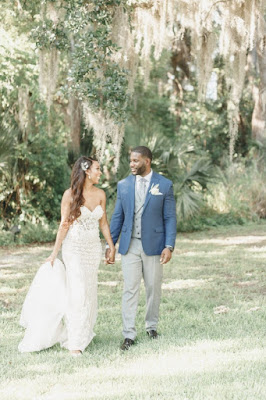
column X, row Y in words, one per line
column 106, row 130
column 116, row 39
column 48, row 53
column 97, row 73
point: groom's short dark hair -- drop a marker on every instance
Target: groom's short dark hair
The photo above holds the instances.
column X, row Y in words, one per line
column 143, row 150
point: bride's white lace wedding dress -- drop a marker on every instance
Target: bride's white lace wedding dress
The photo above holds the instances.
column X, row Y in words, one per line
column 61, row 305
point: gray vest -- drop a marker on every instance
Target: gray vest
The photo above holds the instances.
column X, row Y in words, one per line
column 139, row 203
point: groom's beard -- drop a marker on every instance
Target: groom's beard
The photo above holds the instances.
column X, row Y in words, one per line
column 140, row 170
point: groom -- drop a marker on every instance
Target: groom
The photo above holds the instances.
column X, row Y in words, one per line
column 145, row 215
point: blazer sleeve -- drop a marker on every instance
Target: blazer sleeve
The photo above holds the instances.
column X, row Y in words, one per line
column 117, row 217
column 169, row 215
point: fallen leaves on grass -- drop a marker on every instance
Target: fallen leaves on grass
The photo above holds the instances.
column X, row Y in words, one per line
column 109, row 283
column 246, row 283
column 221, row 310
column 184, row 284
column 254, row 309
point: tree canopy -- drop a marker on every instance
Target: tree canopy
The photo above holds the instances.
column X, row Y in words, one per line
column 186, row 78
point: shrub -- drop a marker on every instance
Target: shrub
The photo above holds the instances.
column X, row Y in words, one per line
column 30, row 233
column 241, row 191
column 208, row 218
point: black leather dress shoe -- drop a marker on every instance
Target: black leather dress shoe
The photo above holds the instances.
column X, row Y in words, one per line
column 126, row 344
column 152, row 334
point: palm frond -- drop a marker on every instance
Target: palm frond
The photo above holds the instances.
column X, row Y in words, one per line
column 188, row 203
column 189, row 191
column 202, row 171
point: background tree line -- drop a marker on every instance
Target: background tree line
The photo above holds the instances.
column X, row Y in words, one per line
column 65, row 92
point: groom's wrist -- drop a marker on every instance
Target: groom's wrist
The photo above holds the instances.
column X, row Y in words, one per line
column 169, row 247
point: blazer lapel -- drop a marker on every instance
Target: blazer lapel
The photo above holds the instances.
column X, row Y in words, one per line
column 154, row 180
column 131, row 194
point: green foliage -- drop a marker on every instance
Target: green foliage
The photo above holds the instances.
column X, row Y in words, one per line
column 47, row 176
column 46, row 35
column 244, row 188
column 84, row 35
column 33, row 170
column 29, row 233
column 205, row 125
column 94, row 76
column 189, row 191
column 6, row 238
column 40, row 175
column 150, row 114
column 6, row 147
column 207, row 218
column 188, row 139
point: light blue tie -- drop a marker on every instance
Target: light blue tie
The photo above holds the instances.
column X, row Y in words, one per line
column 143, row 182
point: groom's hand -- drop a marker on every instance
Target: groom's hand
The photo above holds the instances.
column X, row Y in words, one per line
column 109, row 256
column 165, row 256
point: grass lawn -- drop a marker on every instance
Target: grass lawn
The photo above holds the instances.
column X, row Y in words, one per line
column 212, row 343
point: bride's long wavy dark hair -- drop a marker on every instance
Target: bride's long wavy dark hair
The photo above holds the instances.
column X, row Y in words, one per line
column 78, row 178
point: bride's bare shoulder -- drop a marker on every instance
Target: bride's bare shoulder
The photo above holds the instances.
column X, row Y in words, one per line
column 67, row 196
column 101, row 193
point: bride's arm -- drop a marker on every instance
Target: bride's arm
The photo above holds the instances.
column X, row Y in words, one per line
column 104, row 226
column 63, row 227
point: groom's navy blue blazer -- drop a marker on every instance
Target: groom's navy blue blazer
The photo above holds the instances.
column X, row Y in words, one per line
column 158, row 221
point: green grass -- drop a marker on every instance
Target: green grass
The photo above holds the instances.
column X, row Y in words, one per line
column 212, row 328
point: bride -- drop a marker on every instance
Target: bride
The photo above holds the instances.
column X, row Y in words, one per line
column 70, row 292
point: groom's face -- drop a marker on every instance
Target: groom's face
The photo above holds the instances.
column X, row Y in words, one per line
column 138, row 164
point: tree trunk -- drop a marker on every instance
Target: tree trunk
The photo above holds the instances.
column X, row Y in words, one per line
column 26, row 115
column 180, row 60
column 259, row 94
column 74, row 111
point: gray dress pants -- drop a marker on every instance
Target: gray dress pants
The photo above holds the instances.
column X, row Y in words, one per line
column 136, row 264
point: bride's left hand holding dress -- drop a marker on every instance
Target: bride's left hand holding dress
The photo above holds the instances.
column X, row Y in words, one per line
column 45, row 304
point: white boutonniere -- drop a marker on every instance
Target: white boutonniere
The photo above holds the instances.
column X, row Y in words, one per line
column 155, row 190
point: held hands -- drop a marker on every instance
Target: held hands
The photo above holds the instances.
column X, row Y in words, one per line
column 110, row 256
column 166, row 256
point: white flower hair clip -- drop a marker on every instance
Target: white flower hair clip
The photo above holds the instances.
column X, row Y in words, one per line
column 154, row 190
column 84, row 165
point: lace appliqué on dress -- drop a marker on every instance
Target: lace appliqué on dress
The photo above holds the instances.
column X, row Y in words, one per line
column 82, row 253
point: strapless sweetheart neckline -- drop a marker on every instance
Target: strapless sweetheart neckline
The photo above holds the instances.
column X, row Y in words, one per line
column 99, row 205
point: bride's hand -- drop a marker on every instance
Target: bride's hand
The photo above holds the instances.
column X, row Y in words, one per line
column 50, row 259
column 110, row 256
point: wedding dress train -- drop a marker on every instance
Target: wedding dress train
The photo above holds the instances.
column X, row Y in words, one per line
column 61, row 304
